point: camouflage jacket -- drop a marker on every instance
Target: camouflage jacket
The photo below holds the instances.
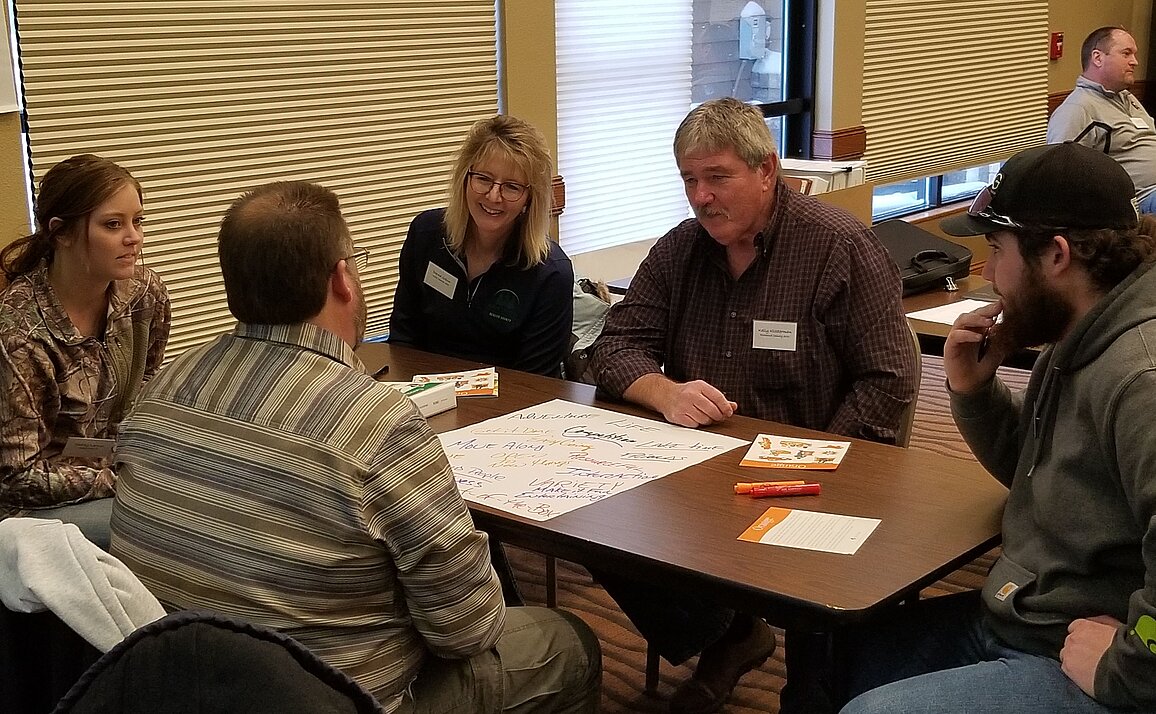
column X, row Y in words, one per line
column 57, row 384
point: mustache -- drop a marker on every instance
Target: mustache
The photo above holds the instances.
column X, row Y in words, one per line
column 711, row 213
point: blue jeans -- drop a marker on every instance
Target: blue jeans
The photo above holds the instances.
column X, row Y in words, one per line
column 937, row 656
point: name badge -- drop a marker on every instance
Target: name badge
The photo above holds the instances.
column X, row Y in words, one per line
column 1139, row 123
column 440, row 279
column 771, row 335
column 79, row 447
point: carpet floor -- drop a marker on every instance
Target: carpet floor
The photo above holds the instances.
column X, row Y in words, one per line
column 624, row 651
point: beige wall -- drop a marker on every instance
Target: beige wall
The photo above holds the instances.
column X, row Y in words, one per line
column 1076, row 18
column 839, row 81
column 530, row 82
column 13, row 189
column 839, row 65
column 528, row 65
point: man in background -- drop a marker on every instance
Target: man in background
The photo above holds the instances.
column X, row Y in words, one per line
column 1107, row 117
column 769, row 304
column 267, row 477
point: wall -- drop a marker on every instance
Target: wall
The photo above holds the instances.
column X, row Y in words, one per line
column 528, row 27
column 1076, row 18
column 13, row 184
column 528, row 65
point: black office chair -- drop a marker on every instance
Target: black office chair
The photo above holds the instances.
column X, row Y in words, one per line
column 202, row 663
column 41, row 657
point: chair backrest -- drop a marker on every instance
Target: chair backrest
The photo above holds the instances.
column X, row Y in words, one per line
column 799, row 183
column 41, row 657
column 903, row 437
column 194, row 662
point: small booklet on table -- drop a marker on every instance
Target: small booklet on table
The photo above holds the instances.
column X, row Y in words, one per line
column 474, row 383
column 429, row 397
column 784, row 452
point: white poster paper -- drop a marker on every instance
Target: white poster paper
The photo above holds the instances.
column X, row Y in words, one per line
column 549, row 459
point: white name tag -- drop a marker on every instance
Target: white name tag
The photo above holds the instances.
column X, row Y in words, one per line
column 439, row 279
column 78, row 447
column 771, row 335
column 1139, row 123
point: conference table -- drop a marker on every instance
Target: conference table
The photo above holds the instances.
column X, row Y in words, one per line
column 680, row 531
column 933, row 334
column 972, row 286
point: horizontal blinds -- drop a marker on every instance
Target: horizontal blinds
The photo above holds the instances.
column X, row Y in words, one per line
column 203, row 100
column 949, row 84
column 624, row 81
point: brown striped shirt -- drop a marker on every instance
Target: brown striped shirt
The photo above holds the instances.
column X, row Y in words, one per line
column 264, row 475
column 853, row 369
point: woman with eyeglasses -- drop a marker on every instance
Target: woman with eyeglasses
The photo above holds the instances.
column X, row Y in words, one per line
column 481, row 279
column 82, row 326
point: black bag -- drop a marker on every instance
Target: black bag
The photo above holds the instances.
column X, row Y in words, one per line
column 925, row 260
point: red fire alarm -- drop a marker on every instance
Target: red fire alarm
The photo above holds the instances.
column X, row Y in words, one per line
column 1056, row 47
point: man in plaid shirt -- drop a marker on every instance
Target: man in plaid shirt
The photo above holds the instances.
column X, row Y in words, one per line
column 768, row 304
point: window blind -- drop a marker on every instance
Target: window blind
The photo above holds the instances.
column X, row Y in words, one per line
column 203, row 100
column 949, row 84
column 624, row 84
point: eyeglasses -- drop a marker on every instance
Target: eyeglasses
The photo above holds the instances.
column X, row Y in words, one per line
column 483, row 184
column 360, row 258
column 981, row 208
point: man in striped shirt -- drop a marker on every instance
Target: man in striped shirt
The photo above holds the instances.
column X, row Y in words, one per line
column 267, row 477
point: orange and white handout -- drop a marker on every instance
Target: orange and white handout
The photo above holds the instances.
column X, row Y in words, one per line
column 810, row 530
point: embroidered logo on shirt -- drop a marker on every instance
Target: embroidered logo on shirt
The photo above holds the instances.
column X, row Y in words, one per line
column 1003, row 593
column 503, row 306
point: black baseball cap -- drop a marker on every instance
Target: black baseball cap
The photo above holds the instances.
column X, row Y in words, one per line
column 1052, row 186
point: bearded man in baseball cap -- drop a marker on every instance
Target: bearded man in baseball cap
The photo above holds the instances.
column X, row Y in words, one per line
column 1067, row 619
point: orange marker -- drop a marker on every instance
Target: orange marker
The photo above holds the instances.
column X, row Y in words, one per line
column 798, row 489
column 746, row 487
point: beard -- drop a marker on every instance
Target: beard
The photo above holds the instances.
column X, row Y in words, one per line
column 1034, row 315
column 362, row 316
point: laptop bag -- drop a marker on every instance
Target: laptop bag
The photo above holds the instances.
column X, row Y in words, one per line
column 925, row 260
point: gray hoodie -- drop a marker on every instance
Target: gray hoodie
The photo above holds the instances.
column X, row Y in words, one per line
column 1077, row 449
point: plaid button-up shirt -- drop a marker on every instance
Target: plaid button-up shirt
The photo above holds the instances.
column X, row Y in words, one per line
column 852, row 371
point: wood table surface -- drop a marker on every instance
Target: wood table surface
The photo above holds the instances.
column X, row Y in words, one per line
column 938, row 297
column 681, row 530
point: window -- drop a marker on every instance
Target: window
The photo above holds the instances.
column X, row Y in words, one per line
column 202, row 101
column 627, row 75
column 738, row 50
column 904, row 197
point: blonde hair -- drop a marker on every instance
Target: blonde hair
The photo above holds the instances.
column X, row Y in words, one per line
column 519, row 142
column 723, row 124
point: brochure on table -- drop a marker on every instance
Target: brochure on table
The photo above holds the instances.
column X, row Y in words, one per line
column 549, row 459
column 474, row 383
column 785, row 452
column 810, row 530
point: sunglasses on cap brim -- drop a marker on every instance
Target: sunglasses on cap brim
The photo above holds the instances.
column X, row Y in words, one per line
column 981, row 208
